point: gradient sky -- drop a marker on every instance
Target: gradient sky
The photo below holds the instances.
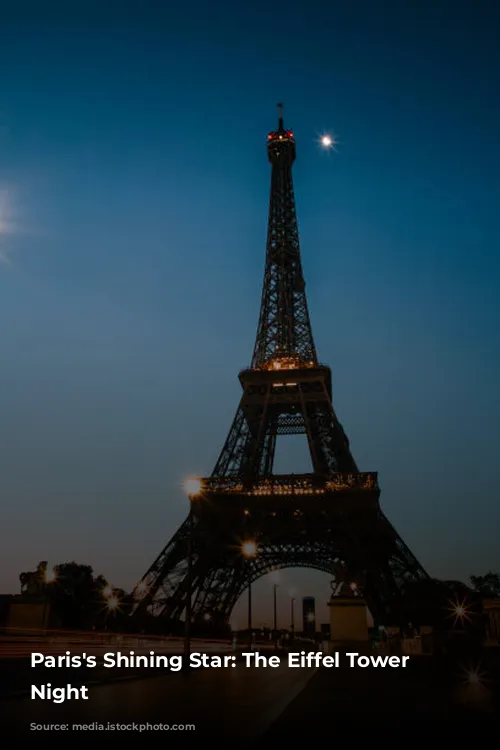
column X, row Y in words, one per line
column 133, row 206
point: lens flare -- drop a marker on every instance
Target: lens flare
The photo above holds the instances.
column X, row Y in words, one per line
column 328, row 142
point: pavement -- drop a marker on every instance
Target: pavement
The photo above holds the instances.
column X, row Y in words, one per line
column 230, row 708
column 423, row 702
column 17, row 674
column 254, row 708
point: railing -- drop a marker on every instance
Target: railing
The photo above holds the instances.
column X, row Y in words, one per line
column 301, row 484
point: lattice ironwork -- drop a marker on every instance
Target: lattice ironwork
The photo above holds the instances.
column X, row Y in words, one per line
column 311, row 530
column 330, row 519
column 284, row 329
column 270, row 407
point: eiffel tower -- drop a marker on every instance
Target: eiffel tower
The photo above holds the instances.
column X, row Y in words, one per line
column 245, row 521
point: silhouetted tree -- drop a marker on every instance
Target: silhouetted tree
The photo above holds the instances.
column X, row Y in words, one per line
column 487, row 585
column 79, row 599
column 443, row 604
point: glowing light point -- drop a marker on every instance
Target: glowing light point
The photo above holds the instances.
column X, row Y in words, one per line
column 113, row 603
column 192, row 486
column 460, row 611
column 249, row 549
column 50, row 575
column 327, row 141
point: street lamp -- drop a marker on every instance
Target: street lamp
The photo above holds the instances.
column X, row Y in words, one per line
column 275, row 588
column 292, row 617
column 113, row 603
column 249, row 550
column 192, row 487
column 234, row 628
column 311, row 618
column 50, row 575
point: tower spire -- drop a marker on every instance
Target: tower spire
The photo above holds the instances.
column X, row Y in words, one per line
column 284, row 330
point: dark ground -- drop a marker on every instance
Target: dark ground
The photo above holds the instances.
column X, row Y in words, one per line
column 247, row 709
column 426, row 700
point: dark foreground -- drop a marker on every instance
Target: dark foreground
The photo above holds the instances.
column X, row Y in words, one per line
column 228, row 708
column 428, row 700
column 258, row 708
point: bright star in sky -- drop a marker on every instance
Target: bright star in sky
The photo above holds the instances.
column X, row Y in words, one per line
column 328, row 141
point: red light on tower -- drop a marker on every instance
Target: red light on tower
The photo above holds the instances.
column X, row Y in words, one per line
column 290, row 134
column 270, row 137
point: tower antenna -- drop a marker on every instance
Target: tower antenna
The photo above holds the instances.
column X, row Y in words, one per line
column 280, row 110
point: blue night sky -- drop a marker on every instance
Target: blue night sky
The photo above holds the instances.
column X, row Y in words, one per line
column 134, row 191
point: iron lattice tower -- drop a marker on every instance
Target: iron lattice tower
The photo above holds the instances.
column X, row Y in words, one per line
column 330, row 519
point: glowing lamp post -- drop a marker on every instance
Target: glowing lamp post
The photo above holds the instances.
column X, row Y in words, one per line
column 275, row 618
column 192, row 488
column 50, row 575
column 292, row 617
column 113, row 603
column 249, row 550
column 461, row 611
